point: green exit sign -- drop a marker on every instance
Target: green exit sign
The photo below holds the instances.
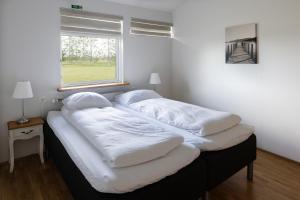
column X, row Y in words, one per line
column 77, row 7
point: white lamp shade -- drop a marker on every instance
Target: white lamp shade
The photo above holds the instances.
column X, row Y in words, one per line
column 23, row 90
column 155, row 79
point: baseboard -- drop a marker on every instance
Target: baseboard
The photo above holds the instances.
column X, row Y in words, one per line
column 279, row 156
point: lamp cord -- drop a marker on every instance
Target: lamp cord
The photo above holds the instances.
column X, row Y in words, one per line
column 23, row 108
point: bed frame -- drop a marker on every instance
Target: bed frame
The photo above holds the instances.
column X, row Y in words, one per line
column 192, row 182
column 188, row 182
column 221, row 165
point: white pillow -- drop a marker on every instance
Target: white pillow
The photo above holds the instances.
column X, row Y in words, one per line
column 136, row 96
column 83, row 100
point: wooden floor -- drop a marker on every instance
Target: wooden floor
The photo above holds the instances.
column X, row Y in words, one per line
column 274, row 179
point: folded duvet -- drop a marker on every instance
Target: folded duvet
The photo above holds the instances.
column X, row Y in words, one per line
column 195, row 119
column 124, row 140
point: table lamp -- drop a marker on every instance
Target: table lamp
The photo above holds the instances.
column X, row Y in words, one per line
column 23, row 91
column 155, row 80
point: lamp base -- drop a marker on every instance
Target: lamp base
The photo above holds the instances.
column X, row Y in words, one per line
column 23, row 120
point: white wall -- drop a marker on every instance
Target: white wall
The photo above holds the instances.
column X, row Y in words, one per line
column 29, row 50
column 266, row 95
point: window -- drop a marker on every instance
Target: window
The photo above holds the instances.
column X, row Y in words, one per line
column 90, row 48
column 151, row 28
column 89, row 59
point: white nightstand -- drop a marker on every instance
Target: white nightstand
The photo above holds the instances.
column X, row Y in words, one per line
column 24, row 132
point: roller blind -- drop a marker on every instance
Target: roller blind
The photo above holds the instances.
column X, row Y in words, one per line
column 151, row 28
column 89, row 22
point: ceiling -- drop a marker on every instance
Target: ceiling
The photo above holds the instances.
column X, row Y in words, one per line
column 164, row 5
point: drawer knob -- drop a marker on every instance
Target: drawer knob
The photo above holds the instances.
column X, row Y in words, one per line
column 27, row 132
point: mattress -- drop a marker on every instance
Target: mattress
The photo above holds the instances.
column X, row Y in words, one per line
column 108, row 180
column 215, row 142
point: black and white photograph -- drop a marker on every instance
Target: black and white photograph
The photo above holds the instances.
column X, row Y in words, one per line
column 241, row 44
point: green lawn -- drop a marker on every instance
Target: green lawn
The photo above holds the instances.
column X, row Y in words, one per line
column 74, row 73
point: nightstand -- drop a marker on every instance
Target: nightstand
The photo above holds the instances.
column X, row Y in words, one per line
column 24, row 132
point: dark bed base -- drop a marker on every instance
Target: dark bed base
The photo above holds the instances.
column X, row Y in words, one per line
column 189, row 182
column 221, row 165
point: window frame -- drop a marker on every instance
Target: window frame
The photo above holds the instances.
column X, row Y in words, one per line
column 119, row 59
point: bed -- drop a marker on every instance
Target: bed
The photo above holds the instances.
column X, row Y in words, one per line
column 189, row 182
column 221, row 157
column 225, row 152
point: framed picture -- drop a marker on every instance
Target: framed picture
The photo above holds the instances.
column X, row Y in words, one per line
column 241, row 44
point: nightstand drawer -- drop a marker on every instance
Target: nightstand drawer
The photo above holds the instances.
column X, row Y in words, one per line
column 28, row 132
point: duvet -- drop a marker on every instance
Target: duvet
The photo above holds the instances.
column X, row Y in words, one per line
column 196, row 119
column 123, row 139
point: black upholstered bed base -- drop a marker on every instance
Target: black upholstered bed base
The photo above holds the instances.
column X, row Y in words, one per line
column 221, row 165
column 205, row 173
column 189, row 182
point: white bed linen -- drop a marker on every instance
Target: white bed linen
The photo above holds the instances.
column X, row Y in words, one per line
column 116, row 180
column 125, row 140
column 195, row 119
column 82, row 100
column 136, row 96
column 215, row 142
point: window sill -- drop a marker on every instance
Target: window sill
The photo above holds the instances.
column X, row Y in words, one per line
column 70, row 88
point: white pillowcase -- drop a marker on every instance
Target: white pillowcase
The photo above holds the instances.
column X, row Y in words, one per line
column 84, row 100
column 136, row 96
